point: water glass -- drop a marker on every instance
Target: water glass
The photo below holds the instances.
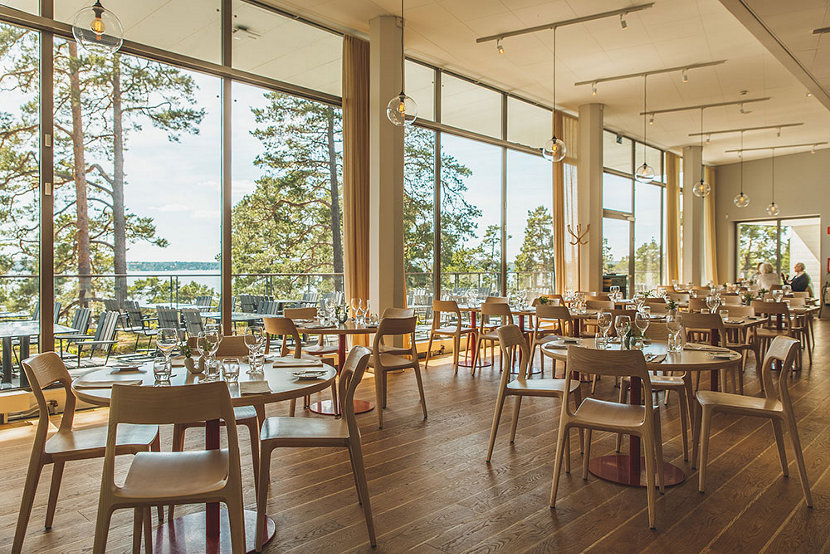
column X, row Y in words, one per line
column 604, row 321
column 601, row 342
column 161, row 371
column 622, row 324
column 675, row 342
column 230, row 370
column 642, row 319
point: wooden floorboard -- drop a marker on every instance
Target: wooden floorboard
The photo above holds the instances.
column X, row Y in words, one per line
column 432, row 491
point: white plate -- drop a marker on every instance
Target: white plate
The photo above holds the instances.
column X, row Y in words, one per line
column 309, row 375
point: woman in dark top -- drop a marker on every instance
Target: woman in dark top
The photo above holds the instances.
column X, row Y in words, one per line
column 800, row 281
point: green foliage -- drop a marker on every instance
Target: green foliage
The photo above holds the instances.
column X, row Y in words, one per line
column 158, row 291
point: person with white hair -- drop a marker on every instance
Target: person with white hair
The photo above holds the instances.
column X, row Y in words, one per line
column 767, row 277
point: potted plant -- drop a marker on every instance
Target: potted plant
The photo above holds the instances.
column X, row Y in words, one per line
column 747, row 298
column 672, row 307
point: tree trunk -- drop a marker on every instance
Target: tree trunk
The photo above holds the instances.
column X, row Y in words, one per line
column 336, row 240
column 79, row 175
column 119, row 220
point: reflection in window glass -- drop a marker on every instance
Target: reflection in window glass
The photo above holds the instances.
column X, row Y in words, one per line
column 528, row 124
column 418, row 205
column 19, row 174
column 269, row 44
column 137, row 181
column 287, row 195
column 470, row 216
column 616, row 192
column 529, row 222
column 470, row 107
column 647, row 236
column 616, row 235
column 616, row 152
column 189, row 27
column 420, row 86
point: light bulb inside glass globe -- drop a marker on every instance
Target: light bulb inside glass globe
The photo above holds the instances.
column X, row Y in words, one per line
column 554, row 150
column 644, row 173
column 741, row 200
column 772, row 209
column 98, row 30
column 701, row 188
column 402, row 110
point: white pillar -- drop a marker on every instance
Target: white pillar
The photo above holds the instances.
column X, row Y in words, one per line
column 386, row 269
column 589, row 194
column 693, row 252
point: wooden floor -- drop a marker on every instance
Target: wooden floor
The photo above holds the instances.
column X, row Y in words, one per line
column 432, row 491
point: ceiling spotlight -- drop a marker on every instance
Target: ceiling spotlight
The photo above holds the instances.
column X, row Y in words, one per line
column 499, row 47
column 623, row 24
column 594, row 88
column 744, row 111
column 651, row 120
column 813, row 149
column 809, row 94
column 685, row 75
column 778, row 134
column 708, row 139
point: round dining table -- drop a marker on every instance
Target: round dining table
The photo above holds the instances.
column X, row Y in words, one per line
column 342, row 330
column 629, row 469
column 208, row 530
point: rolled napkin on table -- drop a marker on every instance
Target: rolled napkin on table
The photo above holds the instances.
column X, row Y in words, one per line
column 655, row 358
column 105, row 383
column 704, row 348
column 288, row 361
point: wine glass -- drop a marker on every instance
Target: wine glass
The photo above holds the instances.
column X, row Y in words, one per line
column 213, row 338
column 712, row 303
column 604, row 321
column 254, row 340
column 622, row 323
column 355, row 303
column 674, row 326
column 167, row 339
column 642, row 320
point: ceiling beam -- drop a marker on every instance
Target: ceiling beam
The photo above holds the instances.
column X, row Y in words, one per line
column 574, row 21
column 706, row 106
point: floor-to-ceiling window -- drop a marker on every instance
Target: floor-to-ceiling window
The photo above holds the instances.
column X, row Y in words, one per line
column 781, row 243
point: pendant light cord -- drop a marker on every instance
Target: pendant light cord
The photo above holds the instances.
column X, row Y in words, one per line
column 645, row 117
column 554, row 85
column 773, row 175
column 742, row 163
column 702, row 167
column 402, row 56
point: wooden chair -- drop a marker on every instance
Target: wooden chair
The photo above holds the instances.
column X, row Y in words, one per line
column 383, row 362
column 775, row 405
column 497, row 300
column 780, row 323
column 452, row 329
column 611, row 416
column 705, row 324
column 192, row 321
column 249, row 416
column 597, row 304
column 283, row 432
column 403, row 349
column 731, row 299
column 171, row 477
column 487, row 330
column 67, row 444
column 659, row 307
column 510, row 338
column 680, row 297
column 550, row 321
column 398, row 312
column 104, row 338
column 801, row 294
column 697, row 305
column 320, row 349
column 80, row 322
column 598, row 298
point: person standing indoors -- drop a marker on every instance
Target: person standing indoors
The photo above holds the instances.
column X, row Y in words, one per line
column 800, row 281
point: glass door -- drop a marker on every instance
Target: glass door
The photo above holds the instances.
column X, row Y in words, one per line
column 780, row 242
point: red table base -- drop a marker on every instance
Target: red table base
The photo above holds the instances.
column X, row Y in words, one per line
column 615, row 468
column 325, row 407
column 187, row 534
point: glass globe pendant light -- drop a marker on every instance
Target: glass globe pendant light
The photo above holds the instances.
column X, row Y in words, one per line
column 773, row 209
column 555, row 149
column 644, row 173
column 98, row 30
column 742, row 200
column 401, row 109
column 701, row 188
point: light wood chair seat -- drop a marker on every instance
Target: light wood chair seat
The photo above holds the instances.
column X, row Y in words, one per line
column 320, row 349
column 450, row 331
column 604, row 415
column 90, row 443
column 168, row 475
column 540, row 387
column 745, row 405
column 490, row 335
column 286, row 431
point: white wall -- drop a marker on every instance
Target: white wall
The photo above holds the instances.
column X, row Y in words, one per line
column 802, row 188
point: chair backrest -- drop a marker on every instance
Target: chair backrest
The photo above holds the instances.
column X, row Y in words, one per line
column 310, row 297
column 80, row 321
column 445, row 307
column 57, row 312
column 550, row 313
column 170, row 405
column 300, row 313
column 134, row 314
column 36, row 311
column 784, row 350
column 110, row 304
column 107, row 323
column 657, row 330
column 247, row 303
column 738, row 310
column 350, row 376
column 776, row 287
column 659, row 307
column 654, row 300
column 599, row 304
column 731, row 299
column 678, row 296
column 552, row 300
column 395, row 326
column 801, row 294
column 497, row 300
column 772, row 309
column 285, row 327
column 204, row 301
column 697, row 304
column 706, row 322
column 230, row 347
column 43, row 370
column 511, row 337
column 797, row 302
column 615, row 363
column 598, row 298
column 500, row 310
column 398, row 312
column 614, row 313
column 192, row 321
column 168, row 317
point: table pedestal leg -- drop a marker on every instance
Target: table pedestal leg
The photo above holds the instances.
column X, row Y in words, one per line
column 473, row 340
column 325, row 407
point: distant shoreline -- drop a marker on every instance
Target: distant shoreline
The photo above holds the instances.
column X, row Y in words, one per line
column 173, row 266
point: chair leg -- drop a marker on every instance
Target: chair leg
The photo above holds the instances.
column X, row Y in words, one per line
column 236, row 520
column 648, row 439
column 102, row 529
column 292, row 407
column 360, row 470
column 777, row 428
column 496, row 418
column 515, row 423
column 379, row 396
column 456, row 347
column 138, row 520
column 557, row 464
column 178, row 446
column 148, row 531
column 706, row 421
column 684, row 422
column 799, row 458
column 253, row 430
column 622, row 400
column 587, row 457
column 155, row 446
column 658, row 453
column 29, row 489
column 54, row 488
column 262, row 496
column 420, row 388
column 429, row 351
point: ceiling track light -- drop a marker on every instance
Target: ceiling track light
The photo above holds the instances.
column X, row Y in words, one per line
column 780, row 126
column 684, row 68
column 744, row 111
column 685, row 74
column 593, row 89
column 811, row 145
column 715, row 105
column 623, row 24
column 499, row 47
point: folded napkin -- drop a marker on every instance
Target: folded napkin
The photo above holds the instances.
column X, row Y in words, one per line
column 254, row 387
column 705, row 348
column 105, row 383
column 655, row 358
column 316, row 326
column 287, row 361
column 555, row 346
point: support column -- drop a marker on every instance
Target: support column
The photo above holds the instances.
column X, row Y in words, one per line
column 46, row 284
column 589, row 195
column 386, row 268
column 693, row 265
column 226, row 264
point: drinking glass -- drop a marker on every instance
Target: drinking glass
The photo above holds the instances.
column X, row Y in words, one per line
column 254, row 340
column 675, row 327
column 787, row 289
column 230, row 370
column 355, row 303
column 642, row 321
column 614, row 290
column 161, row 371
column 712, row 303
column 167, row 340
column 213, row 338
column 777, row 295
column 622, row 324
column 604, row 321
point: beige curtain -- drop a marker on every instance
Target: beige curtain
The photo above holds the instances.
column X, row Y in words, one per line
column 672, row 217
column 356, row 167
column 710, row 230
column 564, row 205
